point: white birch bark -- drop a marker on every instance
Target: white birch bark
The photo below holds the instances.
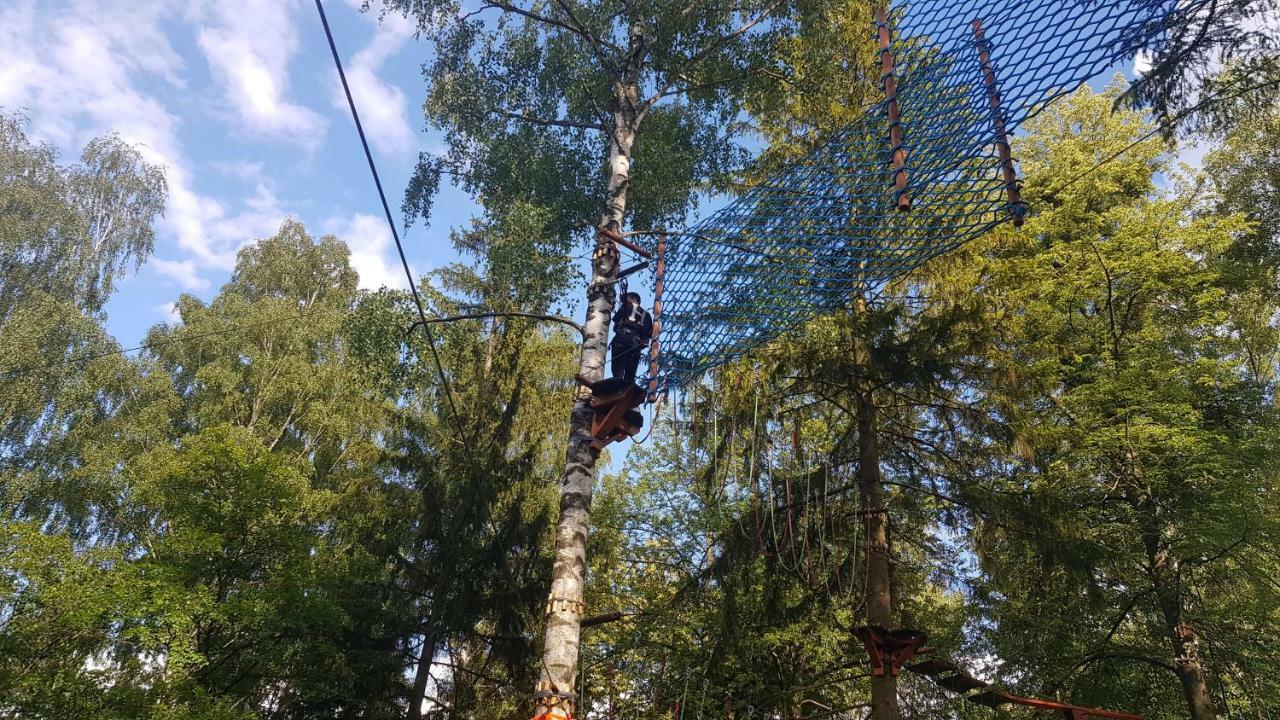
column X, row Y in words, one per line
column 568, row 574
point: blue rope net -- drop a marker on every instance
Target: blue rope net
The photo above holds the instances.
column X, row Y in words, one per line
column 827, row 227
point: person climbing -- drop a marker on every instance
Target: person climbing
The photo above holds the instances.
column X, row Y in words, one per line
column 633, row 326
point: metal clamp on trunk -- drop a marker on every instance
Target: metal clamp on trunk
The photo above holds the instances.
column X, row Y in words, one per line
column 554, row 705
column 555, row 605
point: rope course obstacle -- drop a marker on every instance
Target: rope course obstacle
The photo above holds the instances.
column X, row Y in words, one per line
column 952, row 678
column 923, row 171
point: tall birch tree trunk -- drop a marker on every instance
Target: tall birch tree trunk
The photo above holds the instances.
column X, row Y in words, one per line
column 568, row 575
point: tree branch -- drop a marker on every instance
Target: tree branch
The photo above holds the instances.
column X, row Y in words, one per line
column 927, row 491
column 703, row 53
column 546, row 122
column 1123, row 656
column 511, row 8
column 1124, row 613
column 1218, row 555
column 696, row 86
column 596, row 42
column 483, row 315
column 573, row 26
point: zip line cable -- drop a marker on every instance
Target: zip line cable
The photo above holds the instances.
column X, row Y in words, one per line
column 395, row 234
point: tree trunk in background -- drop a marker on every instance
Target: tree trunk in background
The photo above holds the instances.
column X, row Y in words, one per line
column 568, row 574
column 421, row 677
column 1190, row 670
column 1163, row 571
column 884, row 689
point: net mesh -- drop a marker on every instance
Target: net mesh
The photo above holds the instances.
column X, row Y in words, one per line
column 827, row 227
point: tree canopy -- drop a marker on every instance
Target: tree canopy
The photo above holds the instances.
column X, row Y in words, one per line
column 1050, row 449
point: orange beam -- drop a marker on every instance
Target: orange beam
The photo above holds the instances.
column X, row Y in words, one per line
column 997, row 117
column 899, row 158
column 618, row 238
column 1071, row 711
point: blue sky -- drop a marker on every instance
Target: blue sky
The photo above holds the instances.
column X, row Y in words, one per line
column 240, row 103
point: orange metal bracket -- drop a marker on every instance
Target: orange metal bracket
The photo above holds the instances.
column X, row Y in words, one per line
column 890, row 80
column 613, row 404
column 995, row 698
column 952, row 677
column 889, row 648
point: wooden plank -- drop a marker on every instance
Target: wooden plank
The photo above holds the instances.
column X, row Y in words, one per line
column 624, row 242
column 992, row 698
column 933, row 667
column 961, row 682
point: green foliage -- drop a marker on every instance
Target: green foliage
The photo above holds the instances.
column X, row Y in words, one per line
column 267, row 354
column 56, row 602
column 239, row 523
column 1136, row 478
column 529, row 95
column 520, row 263
column 214, row 604
column 70, row 231
column 830, row 76
column 469, row 496
column 232, row 568
column 66, row 234
column 282, row 511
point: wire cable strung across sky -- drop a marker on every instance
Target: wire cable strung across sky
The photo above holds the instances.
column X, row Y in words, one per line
column 395, row 234
column 922, row 172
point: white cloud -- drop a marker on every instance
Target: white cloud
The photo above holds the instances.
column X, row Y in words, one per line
column 249, row 46
column 1142, row 63
column 168, row 311
column 74, row 71
column 78, row 73
column 225, row 232
column 384, row 109
column 369, row 240
column 183, row 272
